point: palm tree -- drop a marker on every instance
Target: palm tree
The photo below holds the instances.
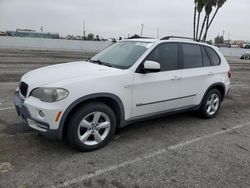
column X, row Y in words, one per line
column 219, row 4
column 195, row 9
column 200, row 6
column 202, row 27
column 208, row 10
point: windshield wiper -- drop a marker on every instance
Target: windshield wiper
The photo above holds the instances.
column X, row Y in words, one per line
column 99, row 62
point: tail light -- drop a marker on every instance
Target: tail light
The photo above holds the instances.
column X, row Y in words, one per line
column 229, row 74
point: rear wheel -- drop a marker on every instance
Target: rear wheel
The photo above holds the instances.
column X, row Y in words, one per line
column 91, row 127
column 211, row 104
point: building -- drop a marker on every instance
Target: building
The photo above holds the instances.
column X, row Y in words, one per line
column 32, row 34
column 241, row 43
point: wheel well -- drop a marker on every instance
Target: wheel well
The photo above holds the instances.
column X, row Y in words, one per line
column 113, row 104
column 221, row 89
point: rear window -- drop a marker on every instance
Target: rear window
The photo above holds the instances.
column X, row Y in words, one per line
column 213, row 56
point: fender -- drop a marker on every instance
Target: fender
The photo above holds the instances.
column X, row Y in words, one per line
column 210, row 87
column 85, row 98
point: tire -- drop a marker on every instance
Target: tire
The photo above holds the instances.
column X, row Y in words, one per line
column 210, row 104
column 91, row 127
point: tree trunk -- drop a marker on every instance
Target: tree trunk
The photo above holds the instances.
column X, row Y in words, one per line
column 209, row 24
column 205, row 35
column 194, row 21
column 202, row 28
column 198, row 24
column 213, row 16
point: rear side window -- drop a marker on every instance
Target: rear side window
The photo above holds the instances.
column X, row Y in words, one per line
column 214, row 58
column 167, row 55
column 192, row 57
column 206, row 61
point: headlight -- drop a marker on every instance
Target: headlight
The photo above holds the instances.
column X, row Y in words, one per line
column 49, row 94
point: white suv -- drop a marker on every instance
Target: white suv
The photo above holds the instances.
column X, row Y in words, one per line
column 131, row 80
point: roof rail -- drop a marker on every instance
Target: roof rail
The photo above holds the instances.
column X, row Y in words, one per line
column 178, row 37
column 139, row 37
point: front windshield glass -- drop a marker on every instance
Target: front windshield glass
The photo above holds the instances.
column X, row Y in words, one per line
column 122, row 54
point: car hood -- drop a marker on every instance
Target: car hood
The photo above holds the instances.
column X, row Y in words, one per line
column 65, row 71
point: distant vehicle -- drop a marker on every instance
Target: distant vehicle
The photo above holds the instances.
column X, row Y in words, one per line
column 245, row 56
column 247, row 46
column 129, row 81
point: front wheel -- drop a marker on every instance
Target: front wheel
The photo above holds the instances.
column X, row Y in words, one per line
column 91, row 127
column 211, row 104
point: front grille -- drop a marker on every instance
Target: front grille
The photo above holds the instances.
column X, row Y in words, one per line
column 23, row 88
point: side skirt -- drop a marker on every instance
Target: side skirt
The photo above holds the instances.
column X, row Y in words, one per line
column 157, row 115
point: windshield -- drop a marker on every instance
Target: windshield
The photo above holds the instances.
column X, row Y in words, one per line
column 121, row 54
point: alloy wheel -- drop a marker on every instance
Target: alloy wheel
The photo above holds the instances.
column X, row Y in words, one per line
column 213, row 103
column 94, row 128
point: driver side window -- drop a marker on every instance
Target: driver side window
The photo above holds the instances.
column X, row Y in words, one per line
column 167, row 55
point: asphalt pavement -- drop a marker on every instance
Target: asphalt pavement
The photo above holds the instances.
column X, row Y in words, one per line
column 176, row 151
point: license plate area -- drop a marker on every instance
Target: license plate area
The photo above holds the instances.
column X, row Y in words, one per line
column 20, row 108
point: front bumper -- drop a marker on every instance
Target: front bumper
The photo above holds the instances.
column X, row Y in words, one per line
column 42, row 127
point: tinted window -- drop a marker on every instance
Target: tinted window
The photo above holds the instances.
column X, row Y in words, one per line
column 206, row 61
column 192, row 56
column 167, row 55
column 214, row 58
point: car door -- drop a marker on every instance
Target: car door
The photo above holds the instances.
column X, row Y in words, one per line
column 197, row 74
column 158, row 92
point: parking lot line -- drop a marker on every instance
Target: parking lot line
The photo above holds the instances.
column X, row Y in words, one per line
column 146, row 156
column 7, row 108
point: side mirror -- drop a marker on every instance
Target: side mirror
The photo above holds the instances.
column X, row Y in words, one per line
column 151, row 66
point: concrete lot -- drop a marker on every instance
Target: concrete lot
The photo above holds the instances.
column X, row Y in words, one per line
column 177, row 151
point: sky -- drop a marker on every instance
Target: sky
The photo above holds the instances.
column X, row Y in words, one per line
column 114, row 18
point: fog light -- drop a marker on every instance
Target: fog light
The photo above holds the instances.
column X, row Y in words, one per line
column 41, row 113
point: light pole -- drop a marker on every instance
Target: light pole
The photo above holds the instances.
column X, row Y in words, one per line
column 84, row 31
column 158, row 31
column 142, row 25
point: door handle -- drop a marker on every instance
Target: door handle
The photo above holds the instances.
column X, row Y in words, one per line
column 211, row 73
column 176, row 78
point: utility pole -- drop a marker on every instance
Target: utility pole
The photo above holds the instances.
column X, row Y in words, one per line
column 158, row 31
column 84, row 30
column 228, row 38
column 142, row 25
column 223, row 33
